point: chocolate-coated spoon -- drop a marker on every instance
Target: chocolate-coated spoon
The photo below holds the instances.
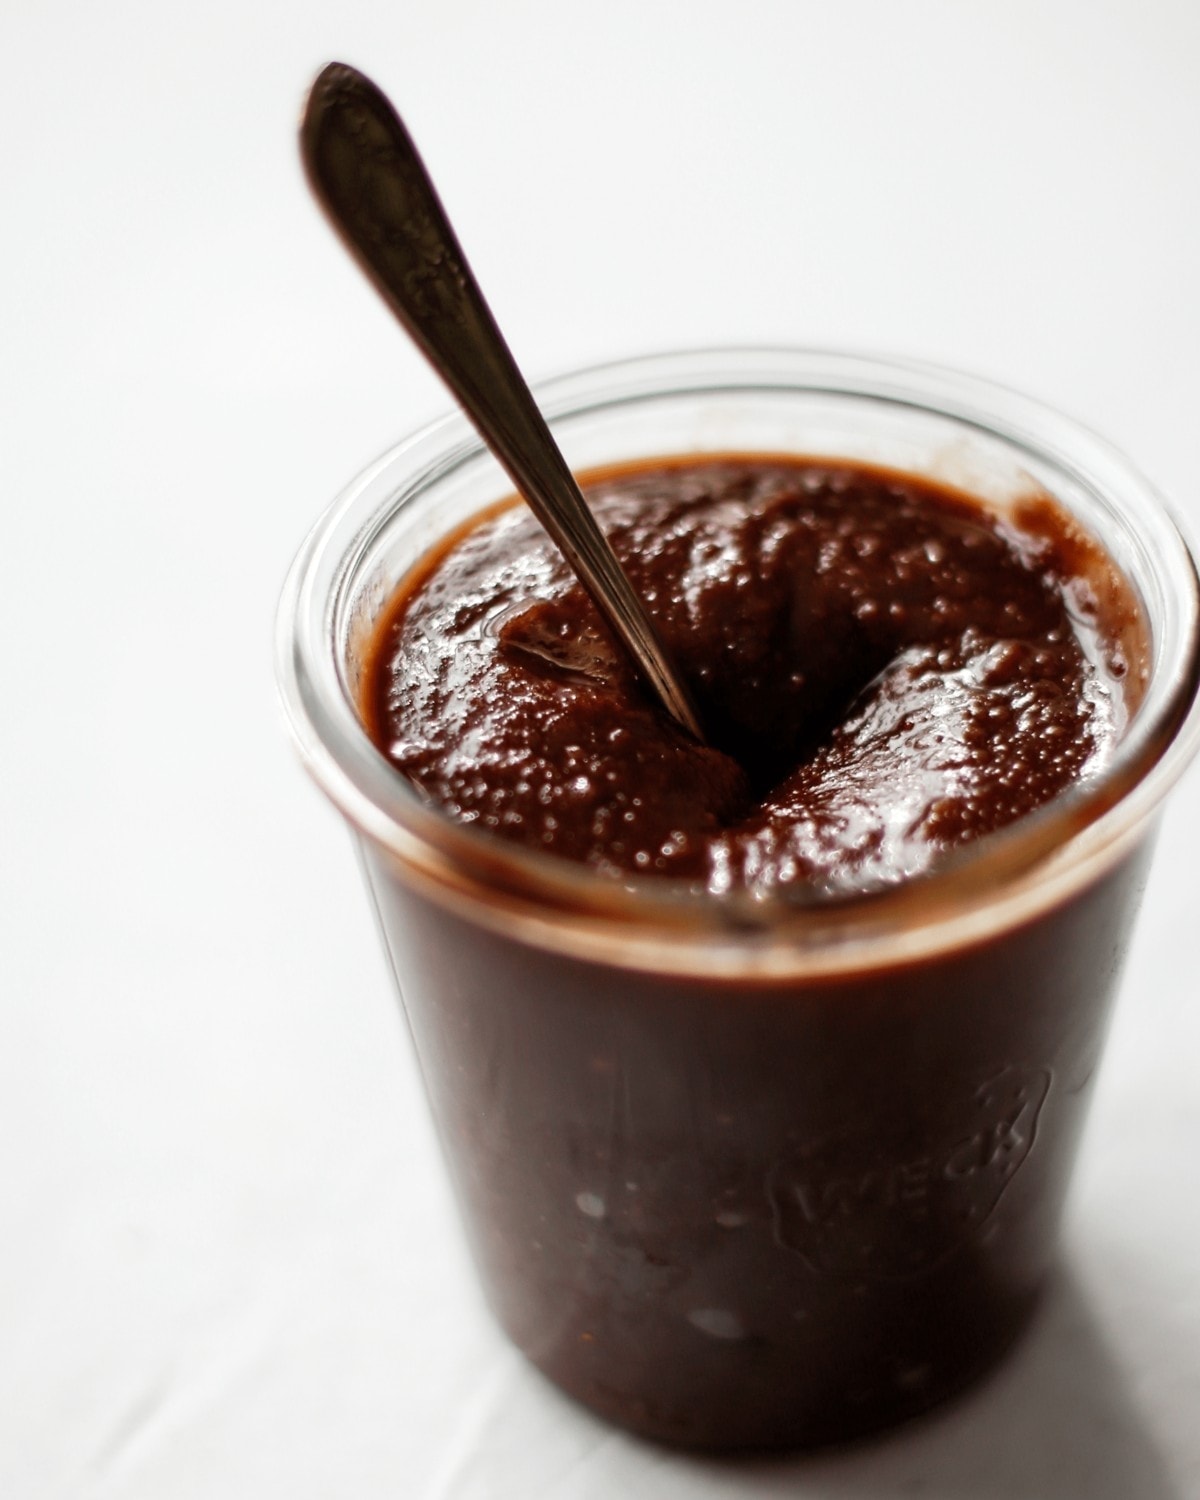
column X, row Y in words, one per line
column 367, row 176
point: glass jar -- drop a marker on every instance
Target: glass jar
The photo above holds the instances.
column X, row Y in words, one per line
column 760, row 1172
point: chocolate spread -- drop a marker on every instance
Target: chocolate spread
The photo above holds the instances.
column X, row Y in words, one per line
column 760, row 1208
column 885, row 670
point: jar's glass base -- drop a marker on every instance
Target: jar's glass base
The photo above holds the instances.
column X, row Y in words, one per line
column 762, row 1404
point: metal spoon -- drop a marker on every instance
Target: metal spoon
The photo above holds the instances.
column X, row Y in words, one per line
column 366, row 174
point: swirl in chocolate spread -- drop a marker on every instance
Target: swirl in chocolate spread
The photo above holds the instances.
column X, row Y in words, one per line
column 886, row 669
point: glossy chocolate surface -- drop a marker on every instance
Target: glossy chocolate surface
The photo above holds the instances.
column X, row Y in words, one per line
column 885, row 671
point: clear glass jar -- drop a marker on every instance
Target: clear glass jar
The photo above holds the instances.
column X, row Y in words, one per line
column 754, row 1172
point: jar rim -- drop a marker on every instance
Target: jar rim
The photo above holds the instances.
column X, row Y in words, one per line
column 645, row 922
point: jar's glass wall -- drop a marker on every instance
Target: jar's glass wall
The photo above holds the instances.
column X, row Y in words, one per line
column 737, row 1184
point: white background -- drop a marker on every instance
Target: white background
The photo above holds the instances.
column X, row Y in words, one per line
column 228, row 1265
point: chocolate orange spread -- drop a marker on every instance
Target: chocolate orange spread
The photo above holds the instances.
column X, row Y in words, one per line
column 885, row 668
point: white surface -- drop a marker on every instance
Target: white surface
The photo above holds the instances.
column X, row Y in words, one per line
column 228, row 1266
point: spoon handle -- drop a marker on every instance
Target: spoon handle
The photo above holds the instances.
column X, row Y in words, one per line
column 366, row 174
